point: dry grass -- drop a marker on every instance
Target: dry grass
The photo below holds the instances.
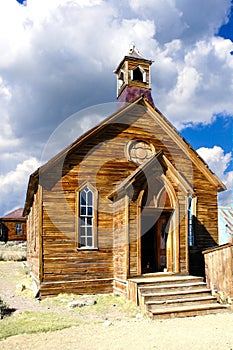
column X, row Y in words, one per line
column 30, row 322
column 59, row 315
column 13, row 251
column 55, row 313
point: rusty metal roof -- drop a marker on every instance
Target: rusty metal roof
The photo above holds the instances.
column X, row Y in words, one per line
column 16, row 214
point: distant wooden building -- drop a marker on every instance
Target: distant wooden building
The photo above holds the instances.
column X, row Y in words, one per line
column 13, row 226
column 128, row 198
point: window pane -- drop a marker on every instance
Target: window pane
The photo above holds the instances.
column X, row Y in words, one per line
column 82, row 221
column 89, row 211
column 83, row 211
column 89, row 221
column 89, row 198
column 82, row 241
column 83, row 198
column 82, row 231
column 89, row 231
column 89, row 241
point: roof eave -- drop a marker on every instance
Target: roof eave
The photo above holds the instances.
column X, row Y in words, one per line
column 131, row 58
column 189, row 150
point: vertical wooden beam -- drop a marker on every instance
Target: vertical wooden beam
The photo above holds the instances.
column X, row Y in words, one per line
column 186, row 235
column 40, row 232
column 176, row 240
column 139, row 270
column 139, row 232
column 127, row 250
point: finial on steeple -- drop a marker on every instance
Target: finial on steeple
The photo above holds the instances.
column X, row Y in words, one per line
column 132, row 47
column 133, row 51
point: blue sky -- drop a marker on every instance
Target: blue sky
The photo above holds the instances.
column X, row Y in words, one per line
column 226, row 31
column 58, row 56
column 220, row 130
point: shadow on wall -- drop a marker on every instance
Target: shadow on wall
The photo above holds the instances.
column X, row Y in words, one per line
column 203, row 241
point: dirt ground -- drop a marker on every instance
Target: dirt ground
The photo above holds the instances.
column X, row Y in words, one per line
column 210, row 332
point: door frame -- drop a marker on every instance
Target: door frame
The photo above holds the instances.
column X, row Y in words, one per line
column 156, row 226
column 172, row 251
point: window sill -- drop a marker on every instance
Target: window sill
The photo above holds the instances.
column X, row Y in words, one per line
column 87, row 248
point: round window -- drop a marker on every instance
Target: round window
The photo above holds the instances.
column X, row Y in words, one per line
column 139, row 151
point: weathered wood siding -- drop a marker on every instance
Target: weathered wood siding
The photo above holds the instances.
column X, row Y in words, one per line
column 66, row 268
column 133, row 239
column 207, row 212
column 219, row 269
column 183, row 236
column 120, row 244
column 34, row 244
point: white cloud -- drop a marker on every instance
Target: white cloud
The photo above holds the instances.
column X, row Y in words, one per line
column 201, row 82
column 7, row 137
column 183, row 19
column 13, row 185
column 218, row 162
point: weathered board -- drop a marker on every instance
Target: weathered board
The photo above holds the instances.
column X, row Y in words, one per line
column 219, row 269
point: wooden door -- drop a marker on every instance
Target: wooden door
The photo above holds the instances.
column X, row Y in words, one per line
column 154, row 243
column 162, row 233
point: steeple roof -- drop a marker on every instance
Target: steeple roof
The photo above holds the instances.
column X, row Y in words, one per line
column 133, row 54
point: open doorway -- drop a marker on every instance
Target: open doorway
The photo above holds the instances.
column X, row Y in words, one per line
column 155, row 229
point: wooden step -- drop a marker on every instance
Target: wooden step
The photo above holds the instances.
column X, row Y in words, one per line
column 154, row 305
column 171, row 287
column 175, row 294
column 184, row 311
column 171, row 279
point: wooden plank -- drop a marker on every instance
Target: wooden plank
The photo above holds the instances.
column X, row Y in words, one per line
column 219, row 274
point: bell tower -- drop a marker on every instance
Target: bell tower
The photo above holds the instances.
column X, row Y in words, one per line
column 133, row 77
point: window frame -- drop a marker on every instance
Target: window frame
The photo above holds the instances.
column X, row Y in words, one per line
column 191, row 213
column 80, row 216
column 143, row 75
column 19, row 228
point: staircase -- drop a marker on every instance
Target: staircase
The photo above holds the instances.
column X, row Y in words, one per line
column 175, row 296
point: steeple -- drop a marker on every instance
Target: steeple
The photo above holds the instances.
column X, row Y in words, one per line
column 133, row 77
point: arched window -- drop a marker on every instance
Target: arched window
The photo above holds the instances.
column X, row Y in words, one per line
column 137, row 74
column 86, row 217
column 121, row 78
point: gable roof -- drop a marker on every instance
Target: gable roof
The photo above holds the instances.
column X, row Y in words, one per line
column 16, row 214
column 156, row 114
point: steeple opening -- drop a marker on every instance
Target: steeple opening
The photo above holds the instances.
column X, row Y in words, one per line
column 137, row 75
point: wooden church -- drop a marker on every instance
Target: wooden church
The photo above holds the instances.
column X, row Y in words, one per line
column 128, row 200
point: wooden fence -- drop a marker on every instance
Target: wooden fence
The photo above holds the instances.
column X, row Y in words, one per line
column 219, row 269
